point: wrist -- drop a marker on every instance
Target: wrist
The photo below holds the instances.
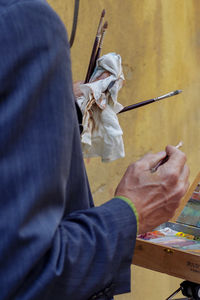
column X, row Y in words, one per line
column 131, row 204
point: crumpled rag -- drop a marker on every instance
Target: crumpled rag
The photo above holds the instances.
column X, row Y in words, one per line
column 102, row 134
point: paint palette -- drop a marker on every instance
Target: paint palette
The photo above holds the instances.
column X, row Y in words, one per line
column 191, row 212
column 174, row 247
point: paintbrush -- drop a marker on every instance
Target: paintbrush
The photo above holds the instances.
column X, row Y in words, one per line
column 105, row 26
column 139, row 104
column 164, row 160
column 95, row 47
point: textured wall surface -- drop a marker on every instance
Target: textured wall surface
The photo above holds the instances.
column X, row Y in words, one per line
column 159, row 41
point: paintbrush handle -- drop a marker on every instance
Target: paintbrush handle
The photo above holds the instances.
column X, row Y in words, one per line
column 160, row 163
column 92, row 59
column 139, row 104
column 97, row 54
column 105, row 26
column 136, row 105
column 94, row 49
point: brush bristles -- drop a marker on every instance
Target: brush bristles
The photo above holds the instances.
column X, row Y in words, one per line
column 177, row 92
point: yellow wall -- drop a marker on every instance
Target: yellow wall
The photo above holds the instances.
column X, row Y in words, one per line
column 159, row 41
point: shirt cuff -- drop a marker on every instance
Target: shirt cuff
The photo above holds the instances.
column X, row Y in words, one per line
column 130, row 203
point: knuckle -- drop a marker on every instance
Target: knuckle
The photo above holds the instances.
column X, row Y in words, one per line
column 132, row 169
column 136, row 166
column 184, row 157
column 172, row 177
column 180, row 191
column 148, row 156
column 181, row 154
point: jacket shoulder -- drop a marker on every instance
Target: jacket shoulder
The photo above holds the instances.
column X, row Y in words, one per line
column 31, row 13
column 27, row 6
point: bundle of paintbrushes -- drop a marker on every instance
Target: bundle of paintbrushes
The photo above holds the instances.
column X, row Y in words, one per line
column 96, row 51
column 97, row 46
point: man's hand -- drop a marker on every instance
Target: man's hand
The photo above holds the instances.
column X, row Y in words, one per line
column 156, row 196
column 76, row 85
column 76, row 89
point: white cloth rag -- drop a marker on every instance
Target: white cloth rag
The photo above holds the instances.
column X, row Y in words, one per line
column 102, row 134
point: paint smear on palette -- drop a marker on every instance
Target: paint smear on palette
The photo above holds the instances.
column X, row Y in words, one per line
column 191, row 213
column 177, row 242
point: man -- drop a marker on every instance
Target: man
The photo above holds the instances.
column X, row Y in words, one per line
column 53, row 243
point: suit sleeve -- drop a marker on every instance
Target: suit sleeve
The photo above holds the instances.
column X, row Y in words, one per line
column 47, row 250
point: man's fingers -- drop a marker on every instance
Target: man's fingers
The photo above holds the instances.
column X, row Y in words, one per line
column 151, row 160
column 103, row 76
column 176, row 159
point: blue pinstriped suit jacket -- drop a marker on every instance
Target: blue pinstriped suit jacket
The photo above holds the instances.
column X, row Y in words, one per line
column 54, row 244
